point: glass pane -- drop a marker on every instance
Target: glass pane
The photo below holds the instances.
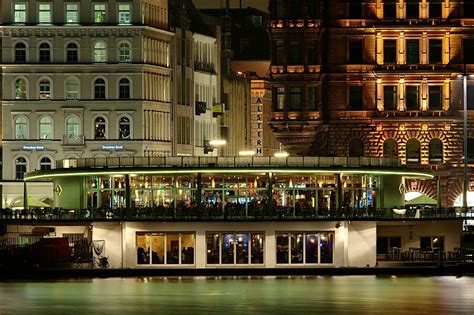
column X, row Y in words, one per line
column 425, row 243
column 257, row 248
column 187, row 249
column 282, row 248
column 438, row 243
column 157, row 248
column 296, row 248
column 311, row 248
column 326, row 247
column 228, row 248
column 172, row 249
column 382, row 245
column 143, row 249
column 242, row 248
column 212, row 248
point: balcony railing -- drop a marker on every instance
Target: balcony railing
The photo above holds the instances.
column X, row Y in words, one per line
column 234, row 213
column 73, row 140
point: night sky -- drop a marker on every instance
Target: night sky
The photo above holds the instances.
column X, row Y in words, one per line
column 259, row 4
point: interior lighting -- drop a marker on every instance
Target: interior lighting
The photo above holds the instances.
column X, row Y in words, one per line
column 218, row 142
column 247, row 153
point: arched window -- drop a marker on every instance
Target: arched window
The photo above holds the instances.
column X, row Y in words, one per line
column 436, row 151
column 21, row 127
column 20, row 89
column 45, row 89
column 356, row 148
column 44, row 52
column 390, row 148
column 100, row 128
column 124, row 128
column 72, row 89
column 100, row 52
column 413, row 151
column 20, row 167
column 125, row 53
column 72, row 127
column 124, row 88
column 20, row 53
column 99, row 89
column 45, row 163
column 72, row 53
column 46, row 127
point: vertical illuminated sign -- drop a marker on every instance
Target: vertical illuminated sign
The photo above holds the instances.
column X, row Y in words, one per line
column 257, row 121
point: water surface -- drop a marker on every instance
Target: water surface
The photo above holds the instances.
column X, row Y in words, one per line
column 265, row 295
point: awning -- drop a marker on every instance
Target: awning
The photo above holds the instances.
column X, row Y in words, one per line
column 32, row 203
column 422, row 200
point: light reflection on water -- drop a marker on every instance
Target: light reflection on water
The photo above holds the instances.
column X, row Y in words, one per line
column 253, row 295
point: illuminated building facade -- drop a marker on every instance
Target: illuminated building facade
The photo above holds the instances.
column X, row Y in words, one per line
column 375, row 78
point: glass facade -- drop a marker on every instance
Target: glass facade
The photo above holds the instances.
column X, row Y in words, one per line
column 235, row 248
column 165, row 248
column 299, row 248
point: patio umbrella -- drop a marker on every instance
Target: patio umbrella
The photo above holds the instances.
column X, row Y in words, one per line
column 31, row 202
column 422, row 200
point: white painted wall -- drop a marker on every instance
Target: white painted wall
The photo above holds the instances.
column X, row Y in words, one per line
column 361, row 245
column 111, row 233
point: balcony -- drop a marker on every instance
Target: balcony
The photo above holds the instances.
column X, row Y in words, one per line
column 294, row 23
column 298, row 69
column 204, row 66
column 69, row 140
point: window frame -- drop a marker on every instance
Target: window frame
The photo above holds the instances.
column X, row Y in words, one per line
column 25, row 125
column 119, row 88
column 430, row 93
column 39, row 11
column 25, row 11
column 417, row 86
column 95, row 86
column 119, row 52
column 129, row 13
column 51, row 126
column 26, row 91
column 24, row 164
column 67, row 124
column 104, row 14
column 95, row 124
column 385, row 54
column 395, row 97
column 66, row 90
column 77, row 50
column 78, row 13
column 41, row 94
column 431, row 52
column 16, row 49
column 41, row 51
column 41, row 163
column 98, row 57
column 130, row 126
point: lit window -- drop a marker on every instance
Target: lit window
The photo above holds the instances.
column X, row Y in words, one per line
column 124, row 88
column 100, row 127
column 21, row 127
column 45, row 164
column 125, row 53
column 100, row 52
column 19, row 15
column 45, row 89
column 124, row 13
column 46, row 128
column 44, row 13
column 20, row 89
column 100, row 13
column 44, row 53
column 20, row 167
column 124, row 128
column 280, row 98
column 99, row 89
column 20, row 53
column 72, row 53
column 72, row 127
column 72, row 13
column 72, row 89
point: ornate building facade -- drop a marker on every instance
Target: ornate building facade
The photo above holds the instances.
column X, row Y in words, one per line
column 375, row 78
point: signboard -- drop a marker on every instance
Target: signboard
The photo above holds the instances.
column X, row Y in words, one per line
column 112, row 147
column 256, row 121
column 217, row 109
column 33, row 148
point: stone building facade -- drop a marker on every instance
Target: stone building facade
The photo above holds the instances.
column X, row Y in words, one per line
column 375, row 78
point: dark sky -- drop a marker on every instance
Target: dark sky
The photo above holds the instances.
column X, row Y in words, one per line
column 208, row 4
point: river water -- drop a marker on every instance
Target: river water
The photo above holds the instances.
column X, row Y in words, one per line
column 256, row 295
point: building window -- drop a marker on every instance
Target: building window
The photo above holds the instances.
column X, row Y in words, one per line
column 356, row 148
column 20, row 167
column 390, row 97
column 312, row 52
column 356, row 100
column 280, row 99
column 413, row 151
column 100, row 52
column 432, row 243
column 295, row 52
column 413, row 97
column 355, row 9
column 165, row 248
column 435, row 51
column 305, row 248
column 279, row 52
column 413, row 9
column 125, row 55
column 279, row 11
column 390, row 148
column 387, row 244
column 295, row 9
column 124, row 128
column 19, row 14
column 413, row 51
column 468, row 49
column 45, row 164
column 355, row 52
column 20, row 89
column 468, row 9
column 435, row 97
column 72, row 127
column 390, row 51
column 100, row 13
column 46, row 127
column 44, row 13
column 100, row 128
column 124, row 88
column 296, row 99
column 389, row 9
column 470, row 95
column 72, row 13
column 72, row 53
column 436, row 9
column 124, row 13
column 72, row 89
column 235, row 248
column 99, row 89
column 21, row 127
column 470, row 150
column 44, row 53
column 45, row 89
column 20, row 53
column 436, row 151
column 313, row 10
column 312, row 99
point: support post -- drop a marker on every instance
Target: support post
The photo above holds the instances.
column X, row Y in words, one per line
column 465, row 182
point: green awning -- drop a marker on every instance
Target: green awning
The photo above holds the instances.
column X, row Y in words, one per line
column 422, row 200
column 31, row 202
